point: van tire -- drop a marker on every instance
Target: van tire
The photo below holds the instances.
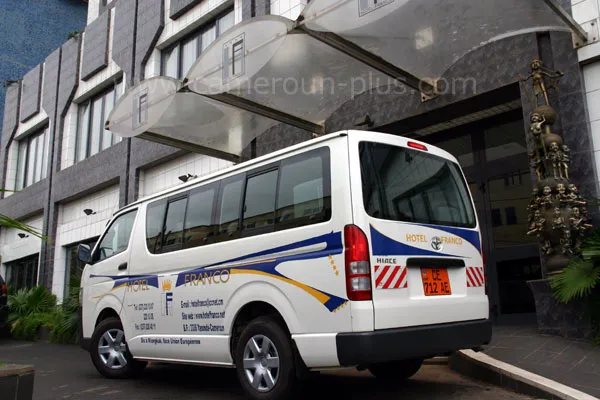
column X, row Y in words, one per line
column 396, row 370
column 114, row 328
column 280, row 345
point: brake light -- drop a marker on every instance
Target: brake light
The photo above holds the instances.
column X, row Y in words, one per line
column 2, row 290
column 358, row 266
column 417, row 146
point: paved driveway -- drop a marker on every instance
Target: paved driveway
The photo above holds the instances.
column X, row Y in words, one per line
column 66, row 372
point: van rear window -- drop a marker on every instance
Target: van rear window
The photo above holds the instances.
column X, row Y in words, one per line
column 408, row 185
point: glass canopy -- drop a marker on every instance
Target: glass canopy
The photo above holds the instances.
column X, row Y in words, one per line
column 272, row 70
column 425, row 37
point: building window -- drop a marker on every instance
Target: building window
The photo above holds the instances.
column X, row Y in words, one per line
column 74, row 268
column 32, row 163
column 92, row 138
column 22, row 274
column 179, row 57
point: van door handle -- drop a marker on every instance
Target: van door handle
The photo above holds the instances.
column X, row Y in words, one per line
column 123, row 267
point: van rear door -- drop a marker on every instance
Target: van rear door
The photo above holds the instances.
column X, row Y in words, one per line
column 412, row 202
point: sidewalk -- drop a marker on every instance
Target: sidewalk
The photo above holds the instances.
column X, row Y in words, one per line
column 572, row 362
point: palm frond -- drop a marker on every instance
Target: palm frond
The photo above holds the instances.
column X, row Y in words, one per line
column 577, row 280
column 13, row 223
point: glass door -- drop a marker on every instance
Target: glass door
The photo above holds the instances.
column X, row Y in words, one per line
column 493, row 156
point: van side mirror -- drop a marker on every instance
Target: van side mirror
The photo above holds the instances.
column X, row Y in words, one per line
column 84, row 253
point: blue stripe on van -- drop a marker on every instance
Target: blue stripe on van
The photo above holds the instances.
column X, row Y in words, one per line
column 386, row 246
column 332, row 240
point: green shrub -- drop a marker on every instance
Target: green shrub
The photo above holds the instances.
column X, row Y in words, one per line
column 67, row 329
column 29, row 309
column 581, row 276
column 26, row 327
column 36, row 300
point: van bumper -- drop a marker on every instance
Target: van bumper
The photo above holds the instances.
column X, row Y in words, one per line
column 426, row 341
column 84, row 343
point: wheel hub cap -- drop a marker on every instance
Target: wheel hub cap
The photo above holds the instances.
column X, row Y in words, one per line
column 261, row 363
column 112, row 348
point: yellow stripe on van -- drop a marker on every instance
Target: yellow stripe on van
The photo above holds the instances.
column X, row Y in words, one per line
column 322, row 297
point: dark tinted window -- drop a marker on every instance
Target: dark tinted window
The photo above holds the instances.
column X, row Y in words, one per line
column 229, row 209
column 155, row 217
column 174, row 225
column 198, row 220
column 259, row 205
column 304, row 190
column 403, row 184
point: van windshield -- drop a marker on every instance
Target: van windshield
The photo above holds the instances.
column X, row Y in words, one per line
column 402, row 184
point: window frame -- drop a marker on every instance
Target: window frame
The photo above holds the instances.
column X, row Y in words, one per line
column 89, row 121
column 101, row 238
column 323, row 152
column 41, row 137
column 196, row 34
column 275, row 166
column 216, row 186
column 172, row 199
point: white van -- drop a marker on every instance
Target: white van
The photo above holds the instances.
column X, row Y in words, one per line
column 353, row 249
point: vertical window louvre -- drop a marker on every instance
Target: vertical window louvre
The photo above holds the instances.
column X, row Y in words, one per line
column 92, row 115
column 21, row 166
column 177, row 60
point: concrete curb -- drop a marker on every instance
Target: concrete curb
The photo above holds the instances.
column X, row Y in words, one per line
column 483, row 367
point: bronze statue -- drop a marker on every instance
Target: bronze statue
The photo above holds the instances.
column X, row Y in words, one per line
column 565, row 242
column 562, row 196
column 556, row 158
column 536, row 128
column 574, row 198
column 565, row 159
column 547, row 197
column 537, row 76
column 537, row 227
column 536, row 164
column 579, row 223
column 558, row 222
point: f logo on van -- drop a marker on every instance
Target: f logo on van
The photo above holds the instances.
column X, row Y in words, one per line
column 436, row 243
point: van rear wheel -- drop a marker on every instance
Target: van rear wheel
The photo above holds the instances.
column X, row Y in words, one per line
column 396, row 370
column 265, row 360
column 110, row 353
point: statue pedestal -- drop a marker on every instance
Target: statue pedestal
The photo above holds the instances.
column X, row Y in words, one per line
column 554, row 318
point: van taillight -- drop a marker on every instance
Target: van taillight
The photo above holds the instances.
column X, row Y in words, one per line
column 358, row 266
column 2, row 290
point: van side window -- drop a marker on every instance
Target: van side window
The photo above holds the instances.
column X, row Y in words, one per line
column 155, row 217
column 259, row 203
column 304, row 195
column 229, row 209
column 116, row 238
column 173, row 231
column 198, row 228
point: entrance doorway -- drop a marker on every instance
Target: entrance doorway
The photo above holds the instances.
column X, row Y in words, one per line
column 493, row 155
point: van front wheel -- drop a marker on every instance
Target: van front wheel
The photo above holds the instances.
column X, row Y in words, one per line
column 396, row 370
column 109, row 351
column 265, row 360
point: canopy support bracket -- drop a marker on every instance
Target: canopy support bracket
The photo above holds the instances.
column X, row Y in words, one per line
column 568, row 19
column 265, row 111
column 427, row 89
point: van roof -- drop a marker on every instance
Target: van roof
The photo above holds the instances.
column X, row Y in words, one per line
column 239, row 166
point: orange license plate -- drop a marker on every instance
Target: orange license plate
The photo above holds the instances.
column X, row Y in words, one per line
column 435, row 281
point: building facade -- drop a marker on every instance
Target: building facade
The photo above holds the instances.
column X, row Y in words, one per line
column 71, row 174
